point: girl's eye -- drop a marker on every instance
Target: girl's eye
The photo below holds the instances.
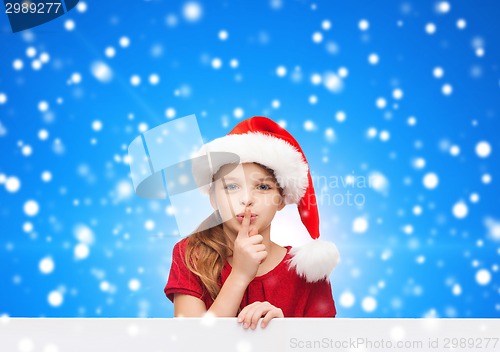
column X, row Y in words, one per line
column 263, row 187
column 231, row 186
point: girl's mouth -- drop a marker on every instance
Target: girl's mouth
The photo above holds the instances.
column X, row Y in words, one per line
column 240, row 217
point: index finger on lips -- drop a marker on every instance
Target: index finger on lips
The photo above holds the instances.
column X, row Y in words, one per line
column 245, row 224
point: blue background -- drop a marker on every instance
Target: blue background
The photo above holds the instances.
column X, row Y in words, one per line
column 402, row 265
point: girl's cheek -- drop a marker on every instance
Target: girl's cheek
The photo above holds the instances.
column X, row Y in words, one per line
column 233, row 201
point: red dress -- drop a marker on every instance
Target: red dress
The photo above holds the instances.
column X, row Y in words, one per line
column 281, row 287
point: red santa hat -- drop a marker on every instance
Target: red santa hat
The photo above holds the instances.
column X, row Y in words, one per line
column 263, row 141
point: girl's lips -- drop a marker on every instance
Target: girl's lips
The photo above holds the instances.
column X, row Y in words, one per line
column 240, row 218
column 243, row 214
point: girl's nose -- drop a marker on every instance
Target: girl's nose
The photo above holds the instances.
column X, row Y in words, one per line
column 247, row 203
column 246, row 198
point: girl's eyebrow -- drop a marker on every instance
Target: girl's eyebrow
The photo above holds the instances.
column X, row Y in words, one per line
column 267, row 178
column 229, row 178
column 261, row 179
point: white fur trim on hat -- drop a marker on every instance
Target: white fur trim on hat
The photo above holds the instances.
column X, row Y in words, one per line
column 314, row 260
column 290, row 168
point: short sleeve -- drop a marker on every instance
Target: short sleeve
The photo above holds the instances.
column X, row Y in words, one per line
column 320, row 303
column 181, row 279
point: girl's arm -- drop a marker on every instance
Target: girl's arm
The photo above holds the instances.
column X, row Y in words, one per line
column 248, row 253
column 188, row 306
column 226, row 304
column 228, row 301
column 321, row 303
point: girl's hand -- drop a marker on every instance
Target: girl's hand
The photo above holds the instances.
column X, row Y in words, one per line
column 251, row 314
column 248, row 252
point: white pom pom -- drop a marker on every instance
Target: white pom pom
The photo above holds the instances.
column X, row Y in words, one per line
column 315, row 260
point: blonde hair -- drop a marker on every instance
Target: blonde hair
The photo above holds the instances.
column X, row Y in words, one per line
column 208, row 249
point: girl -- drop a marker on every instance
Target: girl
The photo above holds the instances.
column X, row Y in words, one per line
column 230, row 267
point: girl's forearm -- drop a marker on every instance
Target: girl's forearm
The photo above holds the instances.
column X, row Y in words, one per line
column 228, row 301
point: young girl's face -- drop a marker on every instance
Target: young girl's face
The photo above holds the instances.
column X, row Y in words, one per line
column 247, row 184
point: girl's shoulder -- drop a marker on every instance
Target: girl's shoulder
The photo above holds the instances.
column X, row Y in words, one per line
column 179, row 249
column 180, row 246
column 182, row 243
